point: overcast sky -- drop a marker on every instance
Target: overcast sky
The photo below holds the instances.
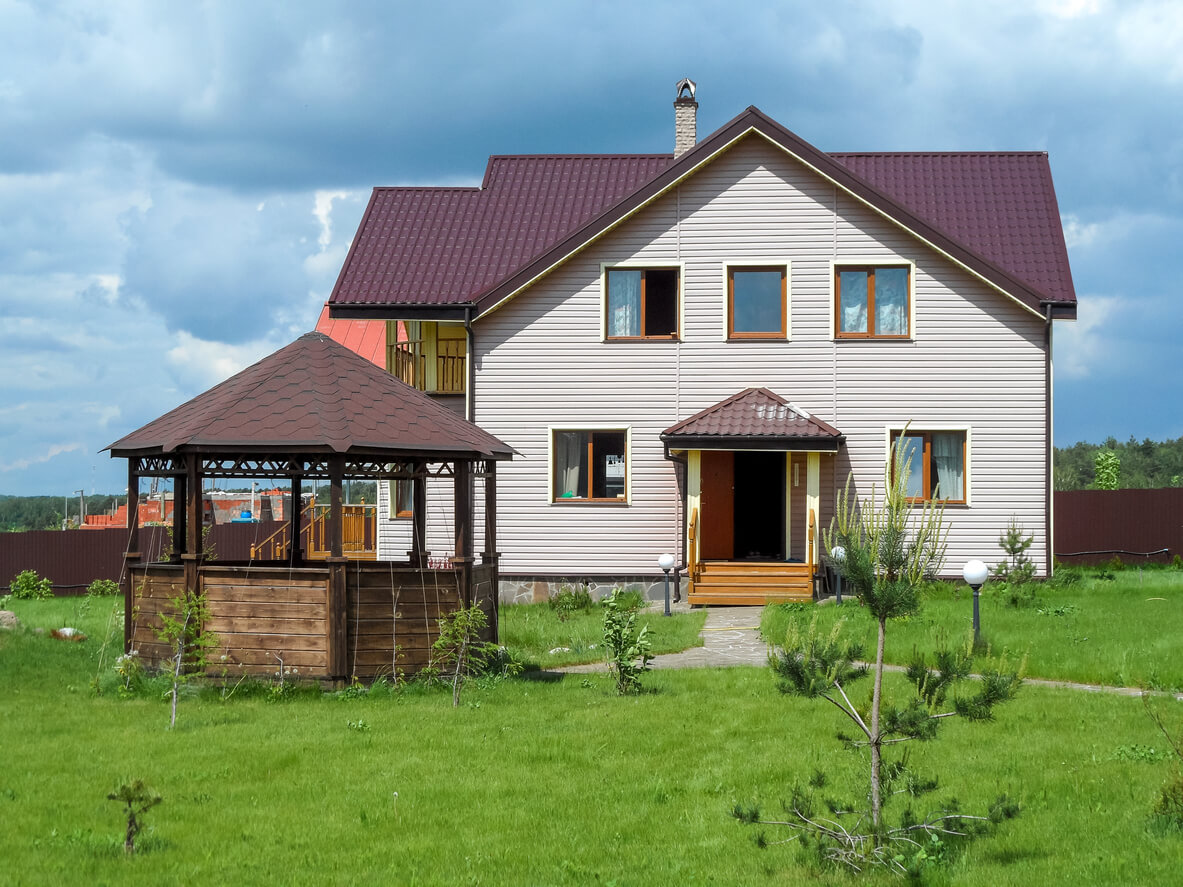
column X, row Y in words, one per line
column 179, row 181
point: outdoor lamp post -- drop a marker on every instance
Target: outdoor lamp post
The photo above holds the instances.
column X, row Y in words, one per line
column 666, row 562
column 975, row 573
column 838, row 556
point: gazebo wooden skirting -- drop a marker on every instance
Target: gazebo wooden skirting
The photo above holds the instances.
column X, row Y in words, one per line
column 313, row 411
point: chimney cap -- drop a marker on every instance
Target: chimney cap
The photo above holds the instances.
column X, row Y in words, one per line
column 686, row 88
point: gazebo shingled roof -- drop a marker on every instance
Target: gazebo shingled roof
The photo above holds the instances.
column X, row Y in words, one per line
column 313, row 396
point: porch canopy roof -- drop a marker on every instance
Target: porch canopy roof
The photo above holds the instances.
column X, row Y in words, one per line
column 754, row 419
column 306, row 402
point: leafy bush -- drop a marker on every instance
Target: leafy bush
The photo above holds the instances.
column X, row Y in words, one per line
column 569, row 600
column 625, row 645
column 101, row 587
column 28, row 586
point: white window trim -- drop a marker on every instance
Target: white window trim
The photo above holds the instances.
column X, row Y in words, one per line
column 881, row 262
column 550, row 463
column 638, row 265
column 392, row 500
column 728, row 264
column 937, row 426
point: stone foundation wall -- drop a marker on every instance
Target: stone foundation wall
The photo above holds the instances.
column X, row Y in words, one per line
column 535, row 589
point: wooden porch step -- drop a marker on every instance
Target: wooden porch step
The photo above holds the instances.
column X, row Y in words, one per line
column 751, row 582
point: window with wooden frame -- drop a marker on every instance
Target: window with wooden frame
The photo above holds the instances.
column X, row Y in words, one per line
column 757, row 302
column 589, row 466
column 872, row 301
column 641, row 303
column 401, row 493
column 937, row 463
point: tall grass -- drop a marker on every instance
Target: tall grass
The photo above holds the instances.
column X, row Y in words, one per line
column 552, row 781
column 1121, row 631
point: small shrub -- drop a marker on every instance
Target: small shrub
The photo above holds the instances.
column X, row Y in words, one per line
column 1065, row 577
column 137, row 799
column 28, row 586
column 628, row 599
column 102, row 588
column 459, row 648
column 1017, row 569
column 569, row 600
column 628, row 649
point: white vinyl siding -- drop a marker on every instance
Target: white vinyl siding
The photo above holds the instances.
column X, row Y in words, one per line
column 976, row 360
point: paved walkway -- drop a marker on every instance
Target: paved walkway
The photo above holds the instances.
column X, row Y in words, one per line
column 731, row 636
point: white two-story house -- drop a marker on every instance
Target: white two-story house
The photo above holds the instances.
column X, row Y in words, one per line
column 690, row 353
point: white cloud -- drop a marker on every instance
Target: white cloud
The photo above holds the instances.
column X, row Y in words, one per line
column 205, row 363
column 1078, row 233
column 30, row 461
column 1087, row 344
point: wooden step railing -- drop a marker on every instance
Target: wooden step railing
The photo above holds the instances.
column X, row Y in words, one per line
column 314, row 532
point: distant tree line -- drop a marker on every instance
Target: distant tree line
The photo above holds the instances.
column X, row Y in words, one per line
column 1140, row 465
column 46, row 512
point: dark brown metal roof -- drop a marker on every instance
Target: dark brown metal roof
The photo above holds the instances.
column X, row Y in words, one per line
column 756, row 417
column 437, row 246
column 313, row 396
column 996, row 212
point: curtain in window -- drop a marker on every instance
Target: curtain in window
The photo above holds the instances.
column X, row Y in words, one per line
column 912, row 457
column 624, row 303
column 891, row 301
column 853, row 313
column 948, row 465
column 570, row 449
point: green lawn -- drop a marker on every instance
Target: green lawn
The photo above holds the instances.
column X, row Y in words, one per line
column 1124, row 631
column 530, row 781
column 532, row 631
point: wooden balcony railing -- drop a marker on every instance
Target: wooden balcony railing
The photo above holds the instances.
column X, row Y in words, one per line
column 410, row 365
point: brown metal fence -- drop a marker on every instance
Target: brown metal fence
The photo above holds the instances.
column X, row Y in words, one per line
column 1138, row 526
column 72, row 559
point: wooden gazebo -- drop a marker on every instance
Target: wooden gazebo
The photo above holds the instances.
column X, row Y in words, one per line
column 313, row 411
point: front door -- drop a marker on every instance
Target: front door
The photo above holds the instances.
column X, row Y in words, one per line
column 717, row 517
column 759, row 507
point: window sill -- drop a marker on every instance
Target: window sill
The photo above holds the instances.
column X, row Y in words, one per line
column 857, row 337
column 613, row 340
column 611, row 503
column 757, row 337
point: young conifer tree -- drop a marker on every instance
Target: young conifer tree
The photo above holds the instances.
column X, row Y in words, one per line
column 892, row 546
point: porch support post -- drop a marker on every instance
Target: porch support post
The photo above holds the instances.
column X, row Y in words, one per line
column 338, row 651
column 490, row 555
column 813, row 484
column 132, row 554
column 462, row 520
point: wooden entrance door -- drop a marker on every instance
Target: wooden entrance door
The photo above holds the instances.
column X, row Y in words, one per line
column 717, row 515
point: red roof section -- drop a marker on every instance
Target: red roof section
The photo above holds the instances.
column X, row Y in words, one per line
column 313, row 396
column 432, row 246
column 1000, row 204
column 364, row 337
column 753, row 413
column 451, row 246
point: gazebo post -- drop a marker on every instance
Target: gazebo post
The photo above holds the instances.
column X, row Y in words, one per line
column 191, row 553
column 419, row 552
column 180, row 515
column 490, row 556
column 462, row 519
column 338, row 654
column 295, row 552
column 132, row 554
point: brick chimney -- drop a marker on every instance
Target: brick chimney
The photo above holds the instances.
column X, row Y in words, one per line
column 685, row 112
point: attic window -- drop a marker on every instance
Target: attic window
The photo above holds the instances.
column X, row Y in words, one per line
column 642, row 303
column 757, row 303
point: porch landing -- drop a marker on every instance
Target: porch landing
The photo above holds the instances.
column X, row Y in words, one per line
column 750, row 583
